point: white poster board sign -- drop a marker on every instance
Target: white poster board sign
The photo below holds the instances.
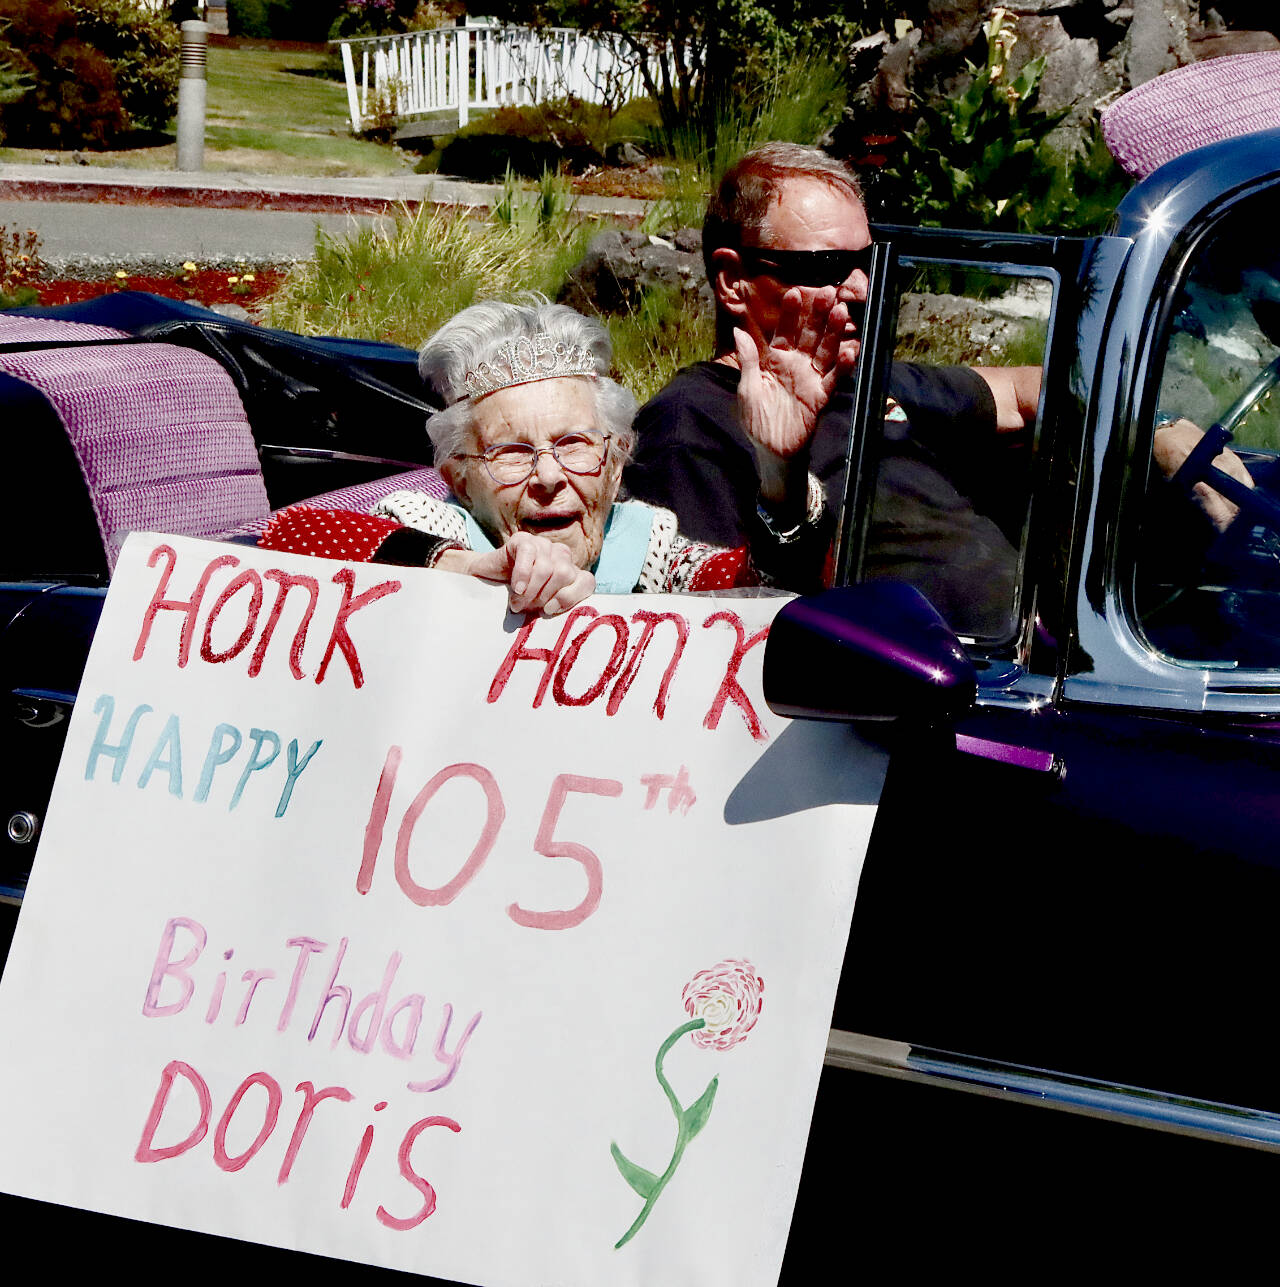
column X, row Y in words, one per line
column 372, row 921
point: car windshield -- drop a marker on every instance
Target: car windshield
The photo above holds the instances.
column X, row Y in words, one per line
column 1208, row 583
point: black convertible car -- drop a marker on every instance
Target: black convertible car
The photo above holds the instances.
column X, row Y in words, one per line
column 1073, row 884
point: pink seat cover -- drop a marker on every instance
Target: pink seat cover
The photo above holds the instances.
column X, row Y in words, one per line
column 159, row 431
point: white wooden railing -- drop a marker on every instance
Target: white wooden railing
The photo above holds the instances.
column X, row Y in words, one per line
column 458, row 68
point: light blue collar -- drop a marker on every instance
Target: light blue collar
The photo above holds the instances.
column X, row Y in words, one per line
column 622, row 556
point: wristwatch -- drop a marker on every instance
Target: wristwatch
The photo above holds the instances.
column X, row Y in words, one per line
column 784, row 536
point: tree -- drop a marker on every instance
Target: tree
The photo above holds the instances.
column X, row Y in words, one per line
column 711, row 54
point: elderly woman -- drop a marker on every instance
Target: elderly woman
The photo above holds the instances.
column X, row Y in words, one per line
column 532, row 444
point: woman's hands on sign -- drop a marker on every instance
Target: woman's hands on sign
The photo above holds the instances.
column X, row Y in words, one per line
column 539, row 573
column 788, row 379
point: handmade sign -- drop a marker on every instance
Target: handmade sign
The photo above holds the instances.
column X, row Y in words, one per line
column 372, row 921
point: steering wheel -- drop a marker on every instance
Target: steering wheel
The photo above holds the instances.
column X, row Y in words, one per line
column 1198, row 467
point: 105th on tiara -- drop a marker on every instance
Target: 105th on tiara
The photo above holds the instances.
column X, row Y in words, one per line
column 536, row 357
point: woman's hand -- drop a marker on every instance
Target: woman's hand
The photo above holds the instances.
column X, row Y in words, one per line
column 786, row 382
column 540, row 573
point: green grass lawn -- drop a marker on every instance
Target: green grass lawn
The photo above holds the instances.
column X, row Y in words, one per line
column 264, row 117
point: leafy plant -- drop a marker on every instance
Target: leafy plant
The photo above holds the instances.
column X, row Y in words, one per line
column 661, row 334
column 799, row 101
column 13, row 83
column 565, row 133
column 73, row 101
column 1084, row 188
column 248, row 18
column 698, row 61
column 403, row 283
column 143, row 49
column 365, row 18
column 20, row 267
column 976, row 159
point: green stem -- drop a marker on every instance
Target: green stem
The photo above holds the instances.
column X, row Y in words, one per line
column 682, row 1130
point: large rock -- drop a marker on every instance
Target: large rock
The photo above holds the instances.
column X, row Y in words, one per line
column 1094, row 51
column 1225, row 43
column 619, row 267
column 1158, row 38
column 1071, row 66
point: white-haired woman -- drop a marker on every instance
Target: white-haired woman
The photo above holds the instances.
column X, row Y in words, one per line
column 532, row 442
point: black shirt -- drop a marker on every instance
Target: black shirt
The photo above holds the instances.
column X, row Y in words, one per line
column 693, row 457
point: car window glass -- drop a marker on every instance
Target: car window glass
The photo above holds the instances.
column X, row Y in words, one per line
column 952, row 493
column 1207, row 584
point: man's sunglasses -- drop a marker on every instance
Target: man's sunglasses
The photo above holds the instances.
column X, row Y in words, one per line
column 805, row 267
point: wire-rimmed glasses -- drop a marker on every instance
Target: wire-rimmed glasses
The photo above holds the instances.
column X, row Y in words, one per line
column 581, row 451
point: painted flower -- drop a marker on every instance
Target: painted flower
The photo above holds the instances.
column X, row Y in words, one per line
column 189, row 266
column 727, row 998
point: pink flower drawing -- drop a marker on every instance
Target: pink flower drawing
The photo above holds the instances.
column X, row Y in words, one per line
column 723, row 1004
column 727, row 998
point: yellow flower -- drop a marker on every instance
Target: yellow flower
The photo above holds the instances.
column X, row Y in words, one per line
column 231, row 281
column 121, row 273
column 248, row 277
column 188, row 267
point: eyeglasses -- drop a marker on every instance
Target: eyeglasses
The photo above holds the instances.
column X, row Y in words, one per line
column 806, row 267
column 581, row 452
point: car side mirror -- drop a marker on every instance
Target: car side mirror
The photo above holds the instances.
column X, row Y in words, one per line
column 878, row 651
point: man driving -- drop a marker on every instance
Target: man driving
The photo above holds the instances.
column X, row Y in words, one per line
column 790, row 218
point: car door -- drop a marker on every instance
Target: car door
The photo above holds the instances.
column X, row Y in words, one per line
column 1071, row 885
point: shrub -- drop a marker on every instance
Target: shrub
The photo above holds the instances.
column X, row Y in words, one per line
column 248, row 18
column 73, row 101
column 565, row 134
column 977, row 158
column 661, row 334
column 308, row 20
column 1084, row 188
column 13, row 85
column 20, row 267
column 143, row 50
column 365, row 18
column 404, row 283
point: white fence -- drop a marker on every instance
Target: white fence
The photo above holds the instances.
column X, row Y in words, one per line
column 458, row 68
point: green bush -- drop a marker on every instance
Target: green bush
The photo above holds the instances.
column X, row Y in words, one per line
column 1084, row 188
column 308, row 20
column 976, row 159
column 13, row 85
column 73, row 100
column 143, row 49
column 401, row 284
column 365, row 18
column 566, row 134
column 248, row 18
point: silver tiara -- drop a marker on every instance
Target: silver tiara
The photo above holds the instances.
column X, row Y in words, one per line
column 525, row 360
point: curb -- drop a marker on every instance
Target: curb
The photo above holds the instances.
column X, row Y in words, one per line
column 126, row 194
column 237, row 191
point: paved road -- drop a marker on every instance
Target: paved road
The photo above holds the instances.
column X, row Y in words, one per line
column 90, row 215
column 89, row 235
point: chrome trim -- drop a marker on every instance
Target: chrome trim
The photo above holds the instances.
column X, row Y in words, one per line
column 1026, row 693
column 1111, row 1101
column 324, row 453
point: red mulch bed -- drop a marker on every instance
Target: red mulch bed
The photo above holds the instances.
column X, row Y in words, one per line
column 247, row 286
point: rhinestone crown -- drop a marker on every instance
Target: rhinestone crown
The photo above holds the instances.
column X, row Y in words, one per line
column 524, row 360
